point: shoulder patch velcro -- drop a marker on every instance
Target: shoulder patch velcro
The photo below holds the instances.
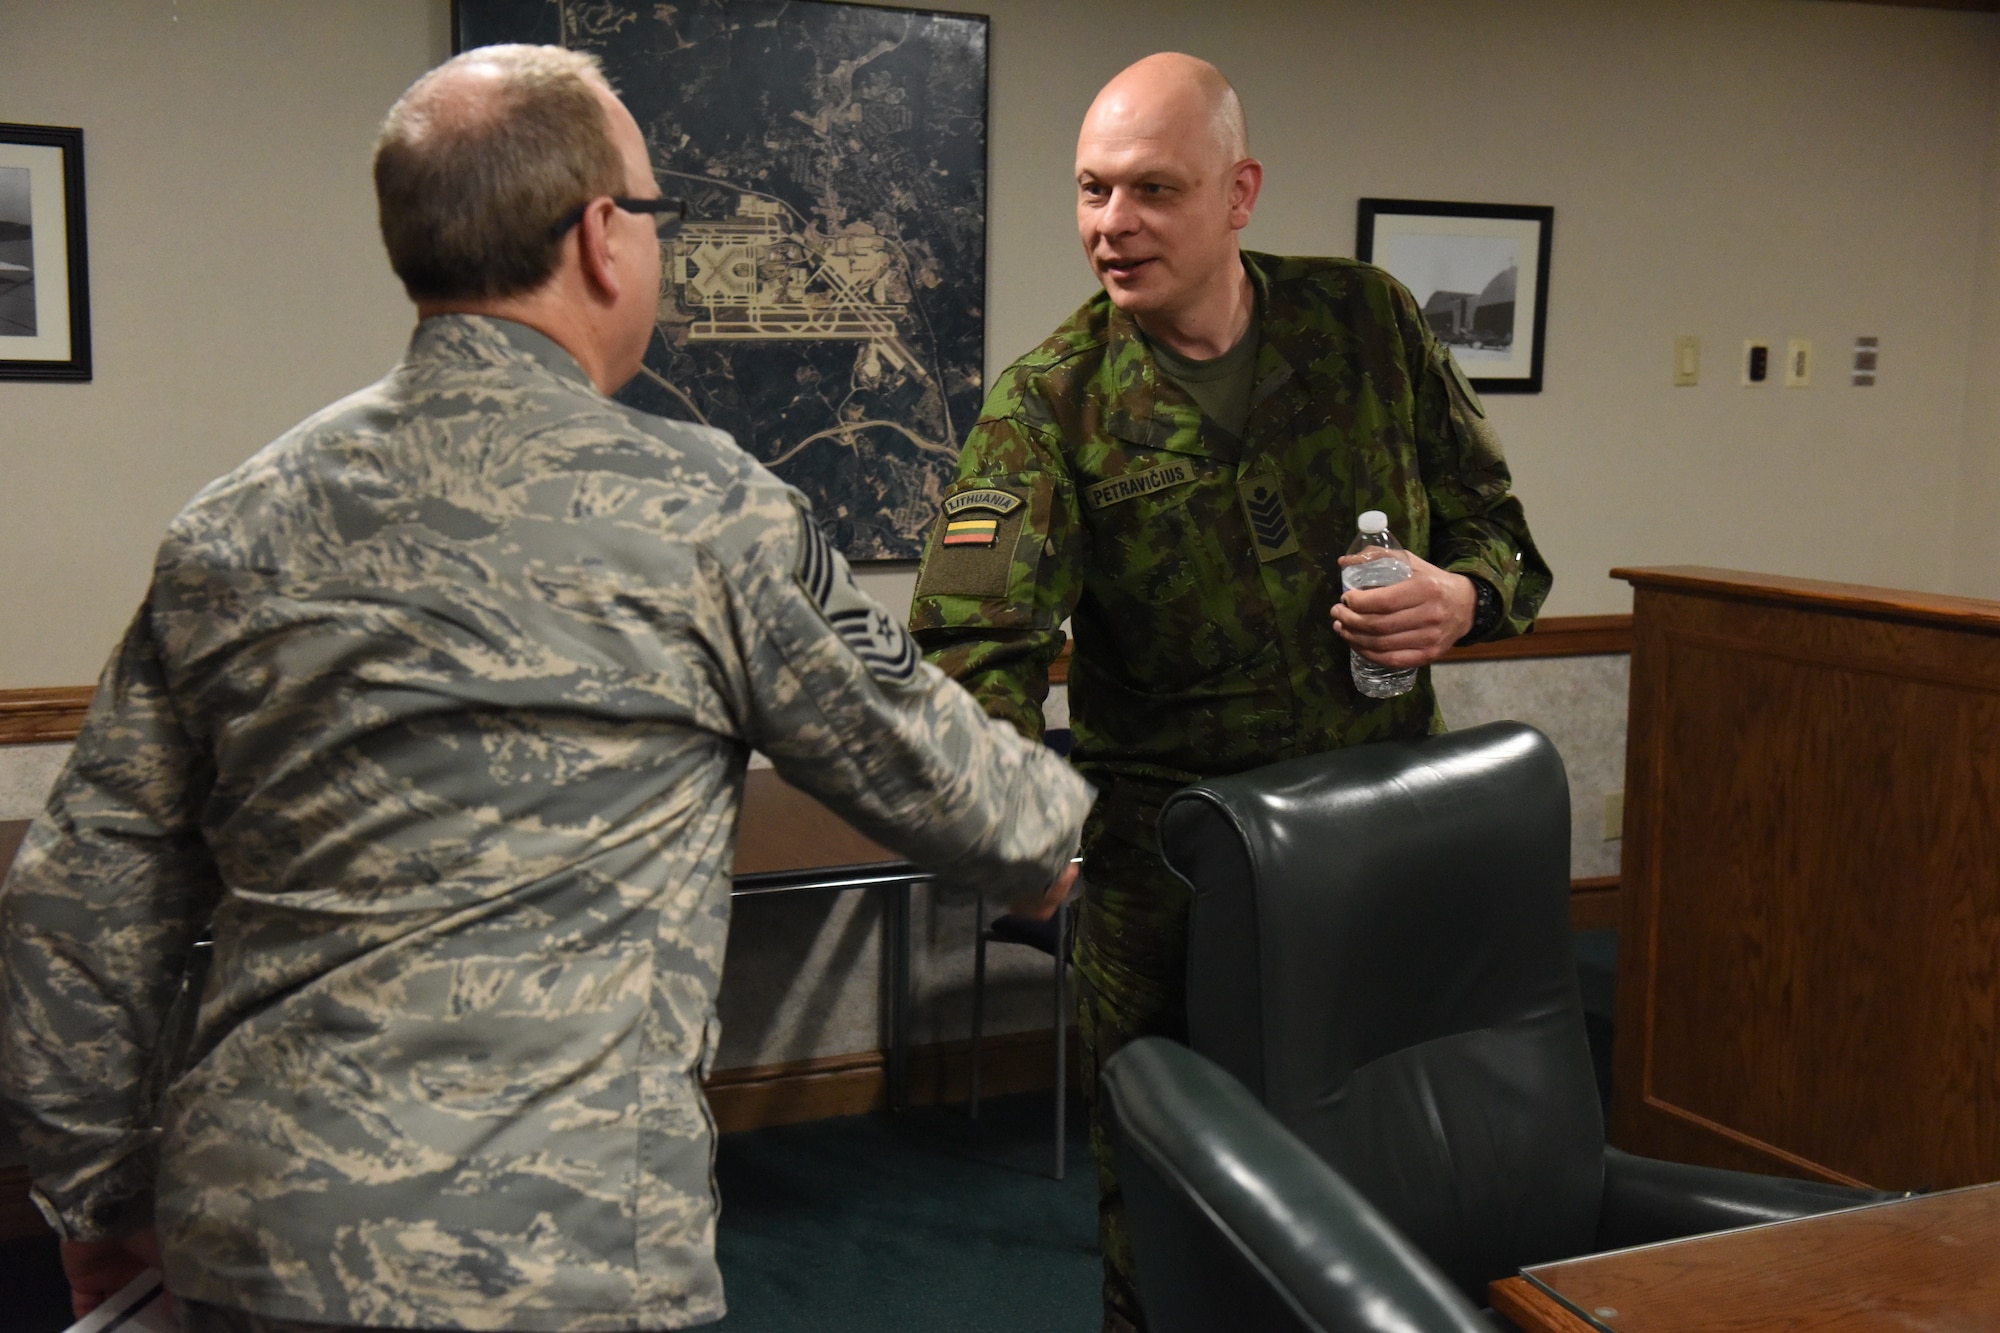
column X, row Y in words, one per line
column 1466, row 392
column 870, row 633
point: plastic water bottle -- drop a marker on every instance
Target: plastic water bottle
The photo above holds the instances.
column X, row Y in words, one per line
column 1384, row 565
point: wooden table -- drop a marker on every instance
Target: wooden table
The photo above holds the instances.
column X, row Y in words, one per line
column 789, row 843
column 786, row 842
column 1930, row 1264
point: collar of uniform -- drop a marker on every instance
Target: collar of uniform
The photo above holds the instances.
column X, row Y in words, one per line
column 1279, row 394
column 493, row 340
column 1142, row 406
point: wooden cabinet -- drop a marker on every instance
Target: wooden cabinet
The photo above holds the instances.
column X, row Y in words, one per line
column 1809, row 953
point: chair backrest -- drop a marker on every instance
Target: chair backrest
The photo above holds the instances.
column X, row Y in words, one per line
column 1235, row 1224
column 1379, row 949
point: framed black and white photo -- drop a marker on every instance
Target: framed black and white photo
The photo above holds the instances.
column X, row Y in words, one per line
column 1480, row 273
column 44, row 268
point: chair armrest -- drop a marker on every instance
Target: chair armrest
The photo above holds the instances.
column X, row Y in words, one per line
column 1235, row 1223
column 1647, row 1200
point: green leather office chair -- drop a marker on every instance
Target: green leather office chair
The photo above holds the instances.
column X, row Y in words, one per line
column 1380, row 951
column 1237, row 1225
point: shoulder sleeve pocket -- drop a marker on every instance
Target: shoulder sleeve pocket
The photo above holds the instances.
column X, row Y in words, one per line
column 985, row 552
column 1482, row 466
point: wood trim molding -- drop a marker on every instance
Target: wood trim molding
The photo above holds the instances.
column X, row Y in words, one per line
column 1965, row 614
column 1553, row 636
column 43, row 716
column 46, row 716
column 1593, row 903
column 754, row 1096
column 19, row 1218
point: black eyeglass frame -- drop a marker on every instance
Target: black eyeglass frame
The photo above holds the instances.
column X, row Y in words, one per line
column 659, row 206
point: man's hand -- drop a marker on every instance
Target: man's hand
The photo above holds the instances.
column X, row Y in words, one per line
column 1410, row 623
column 98, row 1269
column 1044, row 906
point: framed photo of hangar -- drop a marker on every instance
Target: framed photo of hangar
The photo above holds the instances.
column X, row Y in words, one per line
column 824, row 299
column 1480, row 273
column 44, row 267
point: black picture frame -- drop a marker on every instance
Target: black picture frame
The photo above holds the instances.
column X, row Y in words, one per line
column 45, row 315
column 1438, row 249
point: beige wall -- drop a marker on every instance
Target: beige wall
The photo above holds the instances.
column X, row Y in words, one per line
column 236, row 279
column 1729, row 168
column 1976, row 565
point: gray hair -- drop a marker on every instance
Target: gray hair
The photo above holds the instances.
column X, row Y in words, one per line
column 478, row 161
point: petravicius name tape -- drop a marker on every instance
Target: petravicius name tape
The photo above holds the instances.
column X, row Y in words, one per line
column 1134, row 484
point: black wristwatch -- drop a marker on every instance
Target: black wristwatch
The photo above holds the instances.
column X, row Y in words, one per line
column 1486, row 611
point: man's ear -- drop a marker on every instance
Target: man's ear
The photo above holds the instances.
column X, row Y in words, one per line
column 597, row 250
column 1246, row 180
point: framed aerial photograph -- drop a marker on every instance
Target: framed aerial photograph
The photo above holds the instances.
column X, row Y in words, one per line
column 44, row 267
column 824, row 301
column 1480, row 272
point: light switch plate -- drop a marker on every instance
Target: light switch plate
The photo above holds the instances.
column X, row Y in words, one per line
column 1798, row 363
column 1614, row 815
column 1687, row 361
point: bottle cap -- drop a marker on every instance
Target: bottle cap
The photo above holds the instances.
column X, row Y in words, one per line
column 1372, row 522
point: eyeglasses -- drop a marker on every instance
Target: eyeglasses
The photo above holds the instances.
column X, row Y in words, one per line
column 660, row 208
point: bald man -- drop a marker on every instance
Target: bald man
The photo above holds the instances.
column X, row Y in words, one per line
column 436, row 715
column 1177, row 471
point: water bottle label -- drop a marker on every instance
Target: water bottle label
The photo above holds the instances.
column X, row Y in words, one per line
column 1270, row 523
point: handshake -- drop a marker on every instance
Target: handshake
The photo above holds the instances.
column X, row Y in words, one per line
column 1043, row 905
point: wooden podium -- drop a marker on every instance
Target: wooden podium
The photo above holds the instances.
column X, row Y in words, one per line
column 1809, row 948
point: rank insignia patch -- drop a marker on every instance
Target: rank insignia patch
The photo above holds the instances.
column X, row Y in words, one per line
column 871, row 633
column 1270, row 524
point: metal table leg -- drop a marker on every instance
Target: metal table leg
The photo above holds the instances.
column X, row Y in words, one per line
column 896, row 939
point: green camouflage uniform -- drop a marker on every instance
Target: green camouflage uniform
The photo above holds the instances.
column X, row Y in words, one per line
column 438, row 712
column 1198, row 571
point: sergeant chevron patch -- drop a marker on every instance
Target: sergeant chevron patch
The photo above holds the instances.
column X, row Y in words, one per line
column 870, row 633
column 816, row 557
column 1270, row 523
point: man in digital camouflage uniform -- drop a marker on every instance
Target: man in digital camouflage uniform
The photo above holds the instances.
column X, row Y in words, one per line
column 438, row 710
column 1178, row 470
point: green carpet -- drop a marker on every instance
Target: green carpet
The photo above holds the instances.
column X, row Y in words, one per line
column 924, row 1222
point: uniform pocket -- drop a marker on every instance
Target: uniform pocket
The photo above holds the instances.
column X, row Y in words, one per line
column 1178, row 577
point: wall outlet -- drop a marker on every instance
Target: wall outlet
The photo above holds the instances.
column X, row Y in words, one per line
column 1756, row 362
column 1798, row 363
column 1866, row 350
column 1687, row 361
column 1614, row 815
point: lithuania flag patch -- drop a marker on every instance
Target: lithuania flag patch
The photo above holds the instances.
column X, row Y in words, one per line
column 972, row 530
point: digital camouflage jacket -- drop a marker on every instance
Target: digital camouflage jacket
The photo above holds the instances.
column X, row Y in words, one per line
column 1199, row 570
column 437, row 713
